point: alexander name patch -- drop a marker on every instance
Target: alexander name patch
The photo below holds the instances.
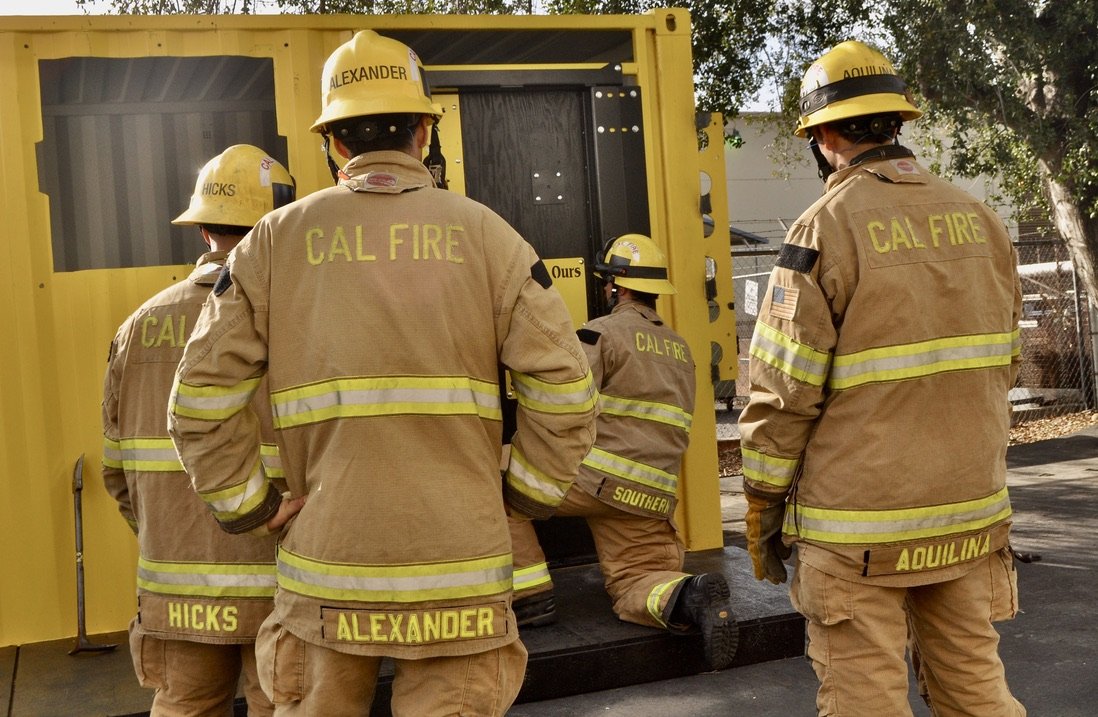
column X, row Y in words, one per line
column 415, row 627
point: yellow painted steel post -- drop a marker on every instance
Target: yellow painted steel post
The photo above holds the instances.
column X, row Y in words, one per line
column 679, row 227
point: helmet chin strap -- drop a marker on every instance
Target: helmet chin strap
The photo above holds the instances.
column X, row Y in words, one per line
column 823, row 168
column 613, row 300
column 888, row 151
column 434, row 161
column 332, row 166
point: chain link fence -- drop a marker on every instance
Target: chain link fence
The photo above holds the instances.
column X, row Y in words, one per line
column 1058, row 343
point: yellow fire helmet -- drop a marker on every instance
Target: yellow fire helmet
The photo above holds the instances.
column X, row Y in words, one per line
column 852, row 80
column 373, row 75
column 635, row 262
column 237, row 187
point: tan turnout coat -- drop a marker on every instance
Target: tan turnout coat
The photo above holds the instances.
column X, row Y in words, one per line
column 381, row 311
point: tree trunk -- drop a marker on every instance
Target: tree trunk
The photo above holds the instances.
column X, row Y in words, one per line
column 1079, row 232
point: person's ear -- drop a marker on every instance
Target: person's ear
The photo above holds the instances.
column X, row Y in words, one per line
column 341, row 149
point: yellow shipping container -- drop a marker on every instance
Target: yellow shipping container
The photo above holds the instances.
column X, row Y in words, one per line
column 574, row 128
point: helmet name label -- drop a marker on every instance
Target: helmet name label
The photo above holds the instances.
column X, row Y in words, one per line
column 365, row 73
column 867, row 70
column 416, row 242
column 219, row 189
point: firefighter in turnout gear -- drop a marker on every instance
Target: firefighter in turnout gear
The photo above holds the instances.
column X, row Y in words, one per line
column 875, row 436
column 202, row 594
column 628, row 483
column 382, row 311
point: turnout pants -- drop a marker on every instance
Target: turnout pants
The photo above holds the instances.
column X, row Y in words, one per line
column 197, row 679
column 307, row 680
column 858, row 635
column 641, row 558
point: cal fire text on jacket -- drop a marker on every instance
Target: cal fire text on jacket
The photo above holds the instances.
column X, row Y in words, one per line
column 404, row 242
column 663, row 347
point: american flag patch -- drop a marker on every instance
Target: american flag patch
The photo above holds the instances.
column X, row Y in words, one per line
column 783, row 302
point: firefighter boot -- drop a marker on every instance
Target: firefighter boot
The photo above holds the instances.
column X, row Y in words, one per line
column 536, row 610
column 703, row 602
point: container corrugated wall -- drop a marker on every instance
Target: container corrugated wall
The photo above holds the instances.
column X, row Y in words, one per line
column 75, row 261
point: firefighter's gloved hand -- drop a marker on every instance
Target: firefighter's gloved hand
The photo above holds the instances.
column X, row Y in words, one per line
column 764, row 538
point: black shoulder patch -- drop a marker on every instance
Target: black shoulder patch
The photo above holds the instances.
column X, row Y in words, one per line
column 588, row 336
column 540, row 274
column 224, row 281
column 797, row 258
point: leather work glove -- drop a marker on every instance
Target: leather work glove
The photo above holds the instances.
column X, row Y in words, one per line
column 764, row 538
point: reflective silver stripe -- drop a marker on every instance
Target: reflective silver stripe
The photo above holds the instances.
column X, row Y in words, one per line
column 152, row 455
column 476, row 577
column 799, row 361
column 236, row 501
column 634, row 471
column 207, row 579
column 576, row 396
column 655, row 595
column 759, row 467
column 531, row 577
column 531, row 482
column 272, row 460
column 858, row 527
column 646, row 410
column 211, row 403
column 112, row 453
column 923, row 358
column 386, row 396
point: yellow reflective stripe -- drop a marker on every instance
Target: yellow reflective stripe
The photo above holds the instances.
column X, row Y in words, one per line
column 632, row 471
column 272, row 460
column 533, row 483
column 236, row 501
column 531, row 577
column 646, row 410
column 923, row 358
column 577, row 396
column 222, row 580
column 799, row 361
column 211, row 403
column 479, row 577
column 656, row 594
column 759, row 467
column 858, row 527
column 1015, row 343
column 152, row 455
column 112, row 453
column 386, row 396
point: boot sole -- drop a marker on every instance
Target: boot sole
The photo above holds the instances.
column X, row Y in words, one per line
column 719, row 629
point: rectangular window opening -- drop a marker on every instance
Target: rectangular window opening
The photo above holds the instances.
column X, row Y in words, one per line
column 123, row 141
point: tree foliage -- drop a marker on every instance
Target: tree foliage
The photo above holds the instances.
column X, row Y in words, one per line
column 1008, row 85
column 1014, row 85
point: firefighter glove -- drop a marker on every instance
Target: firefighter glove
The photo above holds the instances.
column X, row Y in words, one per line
column 764, row 538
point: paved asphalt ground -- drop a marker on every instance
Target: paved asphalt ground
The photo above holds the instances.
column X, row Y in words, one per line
column 1050, row 649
